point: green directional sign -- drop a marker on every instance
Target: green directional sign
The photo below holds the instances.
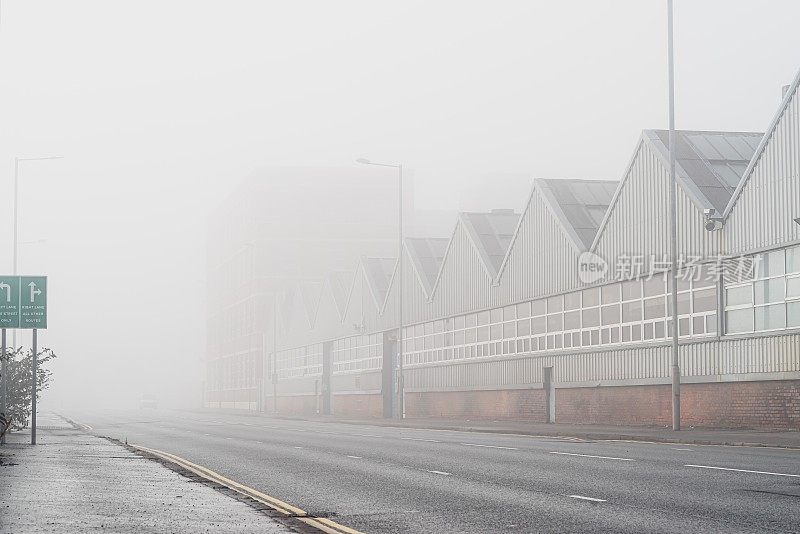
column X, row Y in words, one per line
column 9, row 301
column 23, row 302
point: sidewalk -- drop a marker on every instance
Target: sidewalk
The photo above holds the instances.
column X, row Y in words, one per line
column 784, row 439
column 75, row 482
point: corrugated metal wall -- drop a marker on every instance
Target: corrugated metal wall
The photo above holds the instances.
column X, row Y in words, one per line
column 772, row 354
column 638, row 222
column 764, row 213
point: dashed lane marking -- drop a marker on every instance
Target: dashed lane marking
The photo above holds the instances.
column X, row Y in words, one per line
column 742, row 470
column 490, row 446
column 592, row 456
column 445, row 473
column 585, row 498
column 422, row 439
column 354, row 457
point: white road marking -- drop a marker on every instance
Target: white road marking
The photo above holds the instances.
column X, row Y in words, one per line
column 368, row 435
column 677, row 449
column 490, row 446
column 354, row 457
column 585, row 498
column 296, row 447
column 592, row 456
column 742, row 470
column 445, row 473
column 228, row 438
column 422, row 439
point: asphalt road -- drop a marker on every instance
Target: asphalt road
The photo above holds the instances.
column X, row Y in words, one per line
column 379, row 479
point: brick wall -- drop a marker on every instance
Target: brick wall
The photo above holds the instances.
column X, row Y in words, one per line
column 768, row 405
column 297, row 405
column 364, row 405
column 516, row 404
column 619, row 405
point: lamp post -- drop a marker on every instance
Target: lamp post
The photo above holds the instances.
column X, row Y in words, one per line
column 17, row 161
column 673, row 232
column 400, row 405
column 3, row 369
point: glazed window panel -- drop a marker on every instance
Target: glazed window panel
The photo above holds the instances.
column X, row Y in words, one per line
column 634, row 311
column 764, row 301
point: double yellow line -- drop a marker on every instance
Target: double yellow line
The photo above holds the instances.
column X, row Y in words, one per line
column 320, row 523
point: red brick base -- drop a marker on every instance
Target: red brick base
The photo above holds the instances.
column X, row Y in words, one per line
column 768, row 405
column 297, row 405
column 364, row 405
column 516, row 404
column 773, row 405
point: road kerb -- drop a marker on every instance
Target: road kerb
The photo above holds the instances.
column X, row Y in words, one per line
column 322, row 524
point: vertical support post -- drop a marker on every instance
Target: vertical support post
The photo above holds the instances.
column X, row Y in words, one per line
column 673, row 231
column 4, row 385
column 33, row 385
column 16, row 235
column 401, row 390
column 275, row 354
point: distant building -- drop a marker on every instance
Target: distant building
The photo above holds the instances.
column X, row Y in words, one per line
column 561, row 312
column 280, row 229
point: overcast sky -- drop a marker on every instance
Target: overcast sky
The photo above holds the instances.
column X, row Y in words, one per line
column 160, row 107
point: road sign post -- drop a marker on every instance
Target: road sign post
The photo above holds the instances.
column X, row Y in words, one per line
column 33, row 386
column 23, row 305
column 4, row 384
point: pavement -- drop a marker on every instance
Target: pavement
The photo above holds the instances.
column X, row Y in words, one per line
column 73, row 482
column 385, row 479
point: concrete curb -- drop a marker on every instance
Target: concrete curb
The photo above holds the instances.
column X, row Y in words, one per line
column 585, row 435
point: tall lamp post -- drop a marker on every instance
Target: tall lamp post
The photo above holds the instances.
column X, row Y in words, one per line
column 673, row 232
column 3, row 370
column 400, row 404
column 17, row 161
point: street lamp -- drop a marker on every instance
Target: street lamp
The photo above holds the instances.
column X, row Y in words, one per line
column 673, row 230
column 3, row 367
column 17, row 161
column 400, row 412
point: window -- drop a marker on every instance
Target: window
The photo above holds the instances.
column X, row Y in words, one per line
column 769, row 300
column 299, row 362
column 630, row 312
column 365, row 352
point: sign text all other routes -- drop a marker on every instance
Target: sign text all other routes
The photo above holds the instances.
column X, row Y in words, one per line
column 23, row 302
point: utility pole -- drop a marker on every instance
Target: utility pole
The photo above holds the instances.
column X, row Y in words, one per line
column 673, row 231
column 399, row 406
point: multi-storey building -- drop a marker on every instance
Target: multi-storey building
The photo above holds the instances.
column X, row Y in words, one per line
column 286, row 228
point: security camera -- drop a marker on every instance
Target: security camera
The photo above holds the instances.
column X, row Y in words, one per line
column 713, row 221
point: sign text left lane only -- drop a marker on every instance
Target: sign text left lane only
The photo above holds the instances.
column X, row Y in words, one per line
column 23, row 302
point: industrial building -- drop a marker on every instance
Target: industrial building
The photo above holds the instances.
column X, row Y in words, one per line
column 560, row 311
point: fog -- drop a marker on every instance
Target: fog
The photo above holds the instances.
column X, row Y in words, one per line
column 160, row 109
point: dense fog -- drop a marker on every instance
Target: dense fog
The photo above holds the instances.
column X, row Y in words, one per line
column 160, row 109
